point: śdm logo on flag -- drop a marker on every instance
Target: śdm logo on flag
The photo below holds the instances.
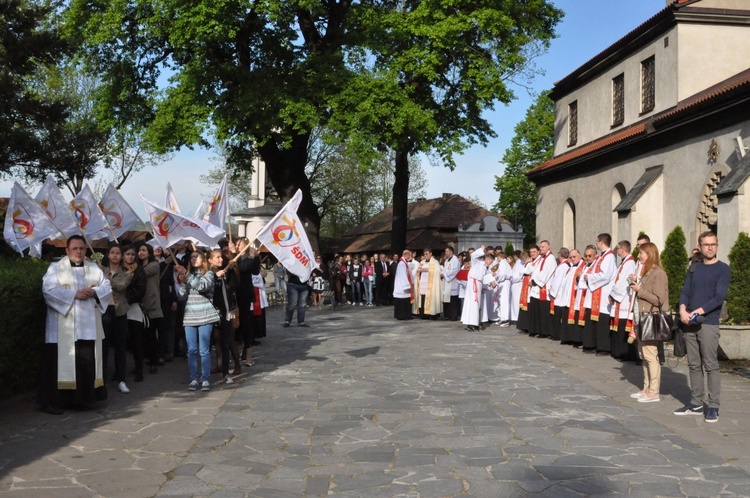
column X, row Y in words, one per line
column 79, row 209
column 164, row 223
column 23, row 225
column 114, row 217
column 285, row 232
column 49, row 208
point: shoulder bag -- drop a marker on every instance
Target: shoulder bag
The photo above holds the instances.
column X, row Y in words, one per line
column 655, row 326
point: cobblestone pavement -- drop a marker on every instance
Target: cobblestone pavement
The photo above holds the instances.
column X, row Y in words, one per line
column 360, row 405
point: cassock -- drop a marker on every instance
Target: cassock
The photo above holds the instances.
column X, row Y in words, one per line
column 72, row 369
column 429, row 289
column 589, row 326
column 600, row 284
column 577, row 310
column 524, row 316
column 538, row 302
column 565, row 298
column 403, row 291
column 471, row 313
column 553, row 289
column 515, row 290
column 620, row 305
column 504, row 278
column 451, row 266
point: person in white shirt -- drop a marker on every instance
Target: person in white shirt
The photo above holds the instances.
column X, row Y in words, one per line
column 538, row 299
column 451, row 266
column 620, row 301
column 599, row 285
column 553, row 288
column 403, row 288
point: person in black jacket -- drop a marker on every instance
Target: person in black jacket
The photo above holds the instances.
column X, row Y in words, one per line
column 225, row 284
column 134, row 295
column 248, row 265
column 382, row 280
column 168, row 298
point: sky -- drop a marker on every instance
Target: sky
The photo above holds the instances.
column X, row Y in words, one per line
column 589, row 26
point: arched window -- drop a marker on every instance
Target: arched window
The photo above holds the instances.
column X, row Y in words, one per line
column 569, row 224
column 617, row 194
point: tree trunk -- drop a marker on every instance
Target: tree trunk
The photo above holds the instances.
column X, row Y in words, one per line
column 286, row 169
column 400, row 202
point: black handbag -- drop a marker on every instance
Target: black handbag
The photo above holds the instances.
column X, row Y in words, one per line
column 680, row 349
column 655, row 326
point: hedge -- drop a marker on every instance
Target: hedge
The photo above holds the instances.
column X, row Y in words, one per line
column 738, row 296
column 22, row 317
column 675, row 259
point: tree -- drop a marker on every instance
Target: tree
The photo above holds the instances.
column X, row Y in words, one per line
column 674, row 259
column 738, row 296
column 28, row 123
column 635, row 246
column 263, row 75
column 532, row 144
column 509, row 249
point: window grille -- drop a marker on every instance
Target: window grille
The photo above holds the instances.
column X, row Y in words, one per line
column 573, row 123
column 648, row 84
column 618, row 100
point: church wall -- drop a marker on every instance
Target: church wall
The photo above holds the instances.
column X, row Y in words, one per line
column 595, row 97
column 723, row 4
column 674, row 199
column 706, row 58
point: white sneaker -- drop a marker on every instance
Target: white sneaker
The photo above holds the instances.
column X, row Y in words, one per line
column 193, row 386
column 228, row 380
column 646, row 399
column 638, row 395
column 123, row 388
column 205, row 386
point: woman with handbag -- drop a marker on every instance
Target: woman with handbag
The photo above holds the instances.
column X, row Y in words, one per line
column 651, row 313
column 197, row 291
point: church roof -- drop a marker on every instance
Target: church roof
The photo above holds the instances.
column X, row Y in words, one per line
column 432, row 223
column 642, row 34
column 735, row 88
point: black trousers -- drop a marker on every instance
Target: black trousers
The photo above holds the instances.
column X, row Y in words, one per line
column 85, row 365
column 450, row 309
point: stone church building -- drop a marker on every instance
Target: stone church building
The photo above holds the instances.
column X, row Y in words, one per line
column 653, row 132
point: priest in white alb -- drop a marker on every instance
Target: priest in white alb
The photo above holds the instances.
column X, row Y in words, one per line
column 472, row 311
column 77, row 295
column 451, row 267
column 429, row 302
column 403, row 288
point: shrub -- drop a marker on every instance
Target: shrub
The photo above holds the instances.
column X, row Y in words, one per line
column 674, row 258
column 509, row 249
column 738, row 296
column 22, row 318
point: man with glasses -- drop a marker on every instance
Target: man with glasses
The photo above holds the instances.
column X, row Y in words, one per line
column 77, row 295
column 701, row 299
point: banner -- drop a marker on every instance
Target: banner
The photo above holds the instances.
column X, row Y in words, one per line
column 217, row 210
column 171, row 200
column 120, row 216
column 26, row 223
column 171, row 227
column 285, row 237
column 89, row 217
column 52, row 201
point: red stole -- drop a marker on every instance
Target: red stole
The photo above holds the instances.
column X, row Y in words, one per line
column 543, row 290
column 257, row 309
column 615, row 318
column 596, row 297
column 524, row 302
column 408, row 276
column 572, row 303
column 552, row 300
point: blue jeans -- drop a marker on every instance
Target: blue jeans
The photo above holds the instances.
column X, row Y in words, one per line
column 356, row 292
column 281, row 287
column 368, row 291
column 296, row 297
column 199, row 338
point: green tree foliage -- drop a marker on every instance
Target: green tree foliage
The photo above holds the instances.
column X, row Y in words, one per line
column 532, row 144
column 674, row 259
column 30, row 126
column 408, row 75
column 509, row 249
column 738, row 296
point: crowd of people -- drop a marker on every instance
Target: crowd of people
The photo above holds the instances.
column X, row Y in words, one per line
column 155, row 305
column 159, row 304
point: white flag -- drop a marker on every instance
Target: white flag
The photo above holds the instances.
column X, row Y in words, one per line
column 217, row 210
column 286, row 238
column 199, row 211
column 171, row 200
column 120, row 216
column 52, row 201
column 89, row 217
column 26, row 223
column 170, row 227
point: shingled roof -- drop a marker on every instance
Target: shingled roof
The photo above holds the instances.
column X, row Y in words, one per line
column 432, row 223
